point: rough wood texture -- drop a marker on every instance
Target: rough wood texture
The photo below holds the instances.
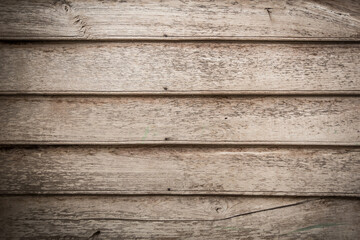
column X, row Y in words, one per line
column 165, row 208
column 161, row 186
column 209, row 19
column 179, row 68
column 174, row 170
column 178, row 218
column 209, row 120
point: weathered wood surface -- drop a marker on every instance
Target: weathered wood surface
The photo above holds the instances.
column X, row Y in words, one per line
column 178, row 218
column 179, row 68
column 180, row 170
column 189, row 120
column 134, row 208
column 91, row 19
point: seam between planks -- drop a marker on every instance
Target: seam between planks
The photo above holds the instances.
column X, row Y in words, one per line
column 176, row 41
column 187, row 38
column 176, row 193
column 315, row 93
column 185, row 142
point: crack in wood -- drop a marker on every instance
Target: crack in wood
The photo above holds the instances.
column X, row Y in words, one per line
column 269, row 12
column 178, row 220
column 95, row 235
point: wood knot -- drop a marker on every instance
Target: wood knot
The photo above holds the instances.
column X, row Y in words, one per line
column 66, row 8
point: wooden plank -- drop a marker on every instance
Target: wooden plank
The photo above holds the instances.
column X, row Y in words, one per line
column 209, row 19
column 184, row 120
column 179, row 68
column 178, row 218
column 180, row 170
column 138, row 207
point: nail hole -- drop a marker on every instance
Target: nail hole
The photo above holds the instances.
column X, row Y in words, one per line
column 165, row 35
column 169, row 189
column 166, row 139
column 165, row 88
column 225, row 117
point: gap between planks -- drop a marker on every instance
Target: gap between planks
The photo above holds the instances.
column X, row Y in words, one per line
column 230, row 93
column 267, row 39
column 274, row 41
column 188, row 193
column 184, row 143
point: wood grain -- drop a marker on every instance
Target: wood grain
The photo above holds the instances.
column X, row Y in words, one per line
column 184, row 120
column 180, row 170
column 179, row 68
column 178, row 218
column 208, row 19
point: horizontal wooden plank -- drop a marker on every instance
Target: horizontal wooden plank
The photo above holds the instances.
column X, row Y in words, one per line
column 178, row 218
column 179, row 68
column 180, row 170
column 212, row 120
column 209, row 19
column 162, row 208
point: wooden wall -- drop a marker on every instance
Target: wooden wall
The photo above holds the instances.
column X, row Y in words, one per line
column 206, row 119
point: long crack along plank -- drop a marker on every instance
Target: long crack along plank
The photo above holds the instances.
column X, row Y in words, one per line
column 177, row 217
column 134, row 19
column 180, row 170
column 179, row 68
column 184, row 120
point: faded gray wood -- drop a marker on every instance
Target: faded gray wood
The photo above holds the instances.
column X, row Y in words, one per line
column 181, row 170
column 91, row 19
column 179, row 68
column 184, row 120
column 178, row 218
column 152, row 207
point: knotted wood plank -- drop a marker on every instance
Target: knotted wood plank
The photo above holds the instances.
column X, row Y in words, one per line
column 178, row 217
column 134, row 19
